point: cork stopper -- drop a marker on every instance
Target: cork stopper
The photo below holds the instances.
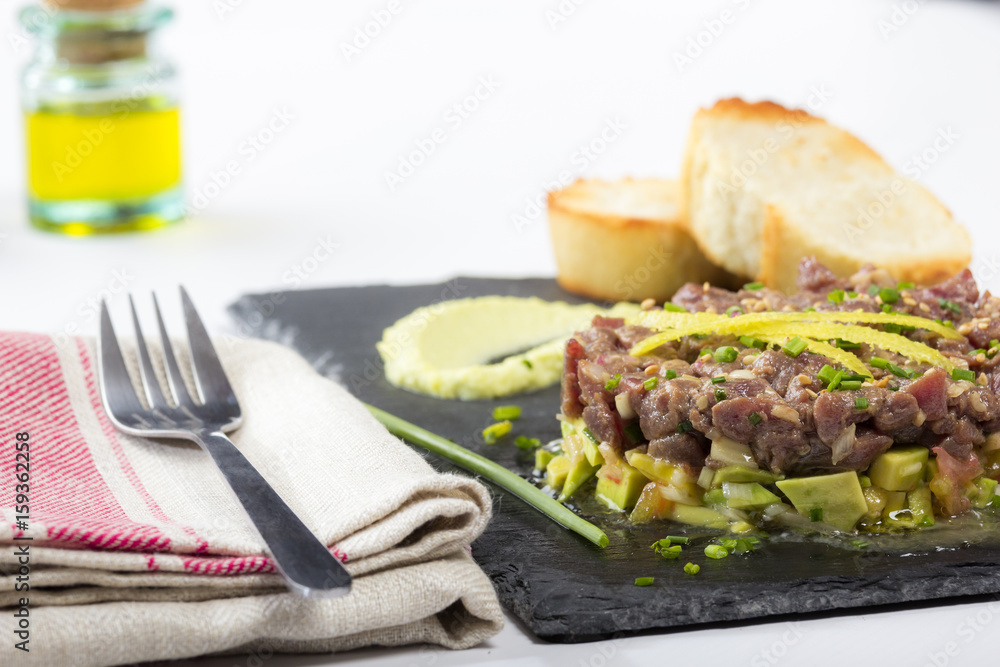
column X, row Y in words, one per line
column 93, row 5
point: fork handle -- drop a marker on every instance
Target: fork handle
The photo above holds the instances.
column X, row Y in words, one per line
column 305, row 562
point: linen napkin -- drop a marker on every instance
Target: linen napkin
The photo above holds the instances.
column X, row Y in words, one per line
column 139, row 551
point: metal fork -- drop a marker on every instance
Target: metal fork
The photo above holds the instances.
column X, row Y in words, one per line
column 309, row 568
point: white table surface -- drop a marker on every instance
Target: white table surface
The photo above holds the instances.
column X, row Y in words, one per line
column 895, row 73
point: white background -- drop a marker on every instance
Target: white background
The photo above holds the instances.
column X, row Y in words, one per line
column 895, row 73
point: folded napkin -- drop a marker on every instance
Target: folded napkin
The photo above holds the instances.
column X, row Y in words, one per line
column 139, row 550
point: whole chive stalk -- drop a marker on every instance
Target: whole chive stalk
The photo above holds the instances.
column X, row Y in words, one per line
column 494, row 472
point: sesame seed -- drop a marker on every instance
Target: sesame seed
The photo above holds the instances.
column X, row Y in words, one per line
column 805, row 380
column 909, row 301
column 812, row 394
column 652, row 370
column 647, row 304
column 705, row 287
column 919, row 418
column 924, row 307
column 982, row 379
column 749, row 359
column 983, row 326
column 981, row 358
column 965, row 329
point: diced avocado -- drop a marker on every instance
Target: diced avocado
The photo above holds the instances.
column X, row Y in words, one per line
column 657, row 470
column 696, row 515
column 876, row 499
column 619, row 486
column 747, row 495
column 899, row 469
column 542, row 458
column 592, row 453
column 566, row 428
column 897, row 513
column 714, row 497
column 579, row 472
column 919, row 502
column 985, row 491
column 557, row 470
column 741, row 474
column 838, row 495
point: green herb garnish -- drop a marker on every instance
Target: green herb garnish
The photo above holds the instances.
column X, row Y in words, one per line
column 651, row 383
column 755, row 418
column 725, row 355
column 494, row 432
column 612, row 384
column 753, row 287
column 958, row 374
column 494, row 472
column 795, row 347
column 503, row 412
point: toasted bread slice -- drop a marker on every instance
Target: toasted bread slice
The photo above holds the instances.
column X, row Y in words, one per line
column 764, row 186
column 624, row 241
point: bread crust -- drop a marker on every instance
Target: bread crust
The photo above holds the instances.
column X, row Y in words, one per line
column 606, row 250
column 712, row 218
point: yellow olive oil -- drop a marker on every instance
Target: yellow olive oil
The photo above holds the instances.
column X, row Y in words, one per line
column 117, row 156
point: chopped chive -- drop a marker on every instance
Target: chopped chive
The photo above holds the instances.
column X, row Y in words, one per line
column 810, row 309
column 726, row 354
column 835, row 382
column 494, row 432
column 670, row 374
column 860, row 403
column 705, row 352
column 503, row 412
column 888, row 295
column 794, row 347
column 852, row 295
column 719, row 379
column 958, row 374
column 668, row 541
column 879, row 362
column 634, row 432
column 674, row 308
column 859, row 544
column 691, row 568
column 753, row 287
column 950, row 305
column 826, row 374
column 755, row 418
column 905, row 286
column 644, row 581
column 872, row 290
column 836, row 296
column 816, row 514
column 593, row 438
column 854, row 376
column 847, row 345
column 865, row 481
column 734, row 309
column 892, row 387
column 899, row 372
column 612, row 384
column 892, row 327
column 720, row 394
column 524, row 442
column 750, row 341
column 650, row 383
column 994, row 343
column 527, row 362
column 716, row 551
column 685, row 426
column 977, row 352
column 850, row 385
column 886, row 307
column 670, row 552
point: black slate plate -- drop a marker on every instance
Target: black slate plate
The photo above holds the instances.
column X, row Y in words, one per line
column 560, row 585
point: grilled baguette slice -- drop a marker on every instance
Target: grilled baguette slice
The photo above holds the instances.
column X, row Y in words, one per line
column 624, row 241
column 764, row 186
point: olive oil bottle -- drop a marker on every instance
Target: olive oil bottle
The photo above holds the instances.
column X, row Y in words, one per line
column 102, row 121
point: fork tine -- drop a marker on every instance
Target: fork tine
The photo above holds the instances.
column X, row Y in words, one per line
column 174, row 377
column 210, row 377
column 116, row 387
column 149, row 382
